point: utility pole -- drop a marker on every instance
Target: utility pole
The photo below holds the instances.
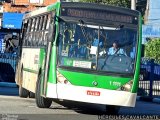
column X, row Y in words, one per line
column 133, row 4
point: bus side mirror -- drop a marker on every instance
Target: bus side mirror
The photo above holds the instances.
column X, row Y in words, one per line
column 142, row 50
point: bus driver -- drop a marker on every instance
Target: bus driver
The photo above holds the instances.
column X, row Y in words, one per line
column 116, row 50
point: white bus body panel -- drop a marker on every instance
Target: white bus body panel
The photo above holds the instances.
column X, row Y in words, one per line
column 79, row 93
column 30, row 61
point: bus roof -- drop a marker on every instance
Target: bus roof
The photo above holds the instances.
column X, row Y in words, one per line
column 40, row 11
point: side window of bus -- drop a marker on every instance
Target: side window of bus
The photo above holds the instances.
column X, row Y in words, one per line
column 50, row 27
column 29, row 36
column 36, row 31
column 44, row 30
column 33, row 24
column 23, row 33
column 32, row 32
column 40, row 23
column 40, row 31
column 26, row 36
column 48, row 21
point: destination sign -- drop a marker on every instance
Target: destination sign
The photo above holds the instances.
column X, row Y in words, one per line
column 99, row 15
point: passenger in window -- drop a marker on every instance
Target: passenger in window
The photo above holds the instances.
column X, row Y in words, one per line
column 115, row 50
column 97, row 42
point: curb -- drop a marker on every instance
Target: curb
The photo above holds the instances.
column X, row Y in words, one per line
column 7, row 84
column 148, row 99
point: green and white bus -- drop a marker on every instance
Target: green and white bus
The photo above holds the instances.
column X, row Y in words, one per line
column 65, row 54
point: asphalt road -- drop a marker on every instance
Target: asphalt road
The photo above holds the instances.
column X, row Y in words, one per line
column 14, row 108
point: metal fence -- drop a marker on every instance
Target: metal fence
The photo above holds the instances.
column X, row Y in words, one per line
column 149, row 84
column 8, row 63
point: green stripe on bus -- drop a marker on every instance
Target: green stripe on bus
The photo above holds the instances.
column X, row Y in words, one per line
column 88, row 80
column 30, row 70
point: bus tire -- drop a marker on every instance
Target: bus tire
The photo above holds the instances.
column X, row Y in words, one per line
column 22, row 91
column 31, row 95
column 41, row 101
column 112, row 110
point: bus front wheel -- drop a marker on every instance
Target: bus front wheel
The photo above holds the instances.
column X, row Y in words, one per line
column 41, row 101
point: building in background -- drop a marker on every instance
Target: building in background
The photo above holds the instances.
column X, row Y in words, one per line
column 11, row 14
column 152, row 15
column 12, row 20
column 11, row 25
column 151, row 27
column 22, row 6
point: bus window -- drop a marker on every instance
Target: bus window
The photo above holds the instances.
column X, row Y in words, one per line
column 37, row 24
column 84, row 42
column 40, row 42
column 26, row 36
column 118, row 55
column 24, row 33
column 44, row 22
column 30, row 33
column 36, row 31
column 33, row 24
column 45, row 31
column 41, row 23
column 45, row 37
column 29, row 25
column 48, row 21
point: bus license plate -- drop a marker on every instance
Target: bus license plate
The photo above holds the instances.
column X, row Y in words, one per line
column 94, row 93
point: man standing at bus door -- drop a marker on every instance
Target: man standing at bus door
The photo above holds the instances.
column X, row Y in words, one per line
column 115, row 50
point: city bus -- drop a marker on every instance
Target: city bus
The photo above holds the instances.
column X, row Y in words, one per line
column 65, row 55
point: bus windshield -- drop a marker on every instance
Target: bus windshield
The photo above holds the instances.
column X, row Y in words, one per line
column 97, row 47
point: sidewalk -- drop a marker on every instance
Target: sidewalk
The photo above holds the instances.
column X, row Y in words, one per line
column 8, row 89
column 148, row 99
column 7, row 84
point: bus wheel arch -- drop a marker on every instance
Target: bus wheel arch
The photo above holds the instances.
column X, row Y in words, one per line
column 22, row 91
column 41, row 101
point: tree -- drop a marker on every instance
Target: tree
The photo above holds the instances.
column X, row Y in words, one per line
column 152, row 49
column 120, row 3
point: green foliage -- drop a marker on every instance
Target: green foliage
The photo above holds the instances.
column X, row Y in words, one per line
column 120, row 3
column 152, row 49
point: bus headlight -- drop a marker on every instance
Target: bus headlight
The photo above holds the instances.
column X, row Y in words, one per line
column 127, row 86
column 62, row 79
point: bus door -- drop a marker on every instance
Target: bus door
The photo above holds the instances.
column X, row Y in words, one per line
column 48, row 49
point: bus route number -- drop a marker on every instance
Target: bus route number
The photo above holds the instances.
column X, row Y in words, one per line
column 114, row 83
